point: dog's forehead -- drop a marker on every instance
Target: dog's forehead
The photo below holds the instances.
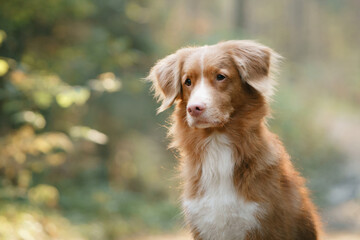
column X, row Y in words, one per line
column 196, row 58
column 205, row 57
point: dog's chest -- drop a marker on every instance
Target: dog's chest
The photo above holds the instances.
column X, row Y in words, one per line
column 220, row 213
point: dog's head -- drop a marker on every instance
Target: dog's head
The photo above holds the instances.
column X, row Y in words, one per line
column 213, row 82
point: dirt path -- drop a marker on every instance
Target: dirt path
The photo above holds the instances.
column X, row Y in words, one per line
column 186, row 236
column 343, row 236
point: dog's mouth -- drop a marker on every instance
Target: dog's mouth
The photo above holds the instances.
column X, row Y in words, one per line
column 201, row 122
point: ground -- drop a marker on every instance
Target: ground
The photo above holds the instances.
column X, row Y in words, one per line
column 186, row 236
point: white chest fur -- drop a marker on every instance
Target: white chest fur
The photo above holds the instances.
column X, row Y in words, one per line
column 220, row 213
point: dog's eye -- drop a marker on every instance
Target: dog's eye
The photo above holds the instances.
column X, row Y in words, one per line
column 187, row 82
column 220, row 77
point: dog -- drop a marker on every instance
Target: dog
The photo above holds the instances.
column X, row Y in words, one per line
column 239, row 182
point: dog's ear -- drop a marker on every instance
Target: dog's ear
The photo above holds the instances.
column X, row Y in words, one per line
column 256, row 64
column 166, row 79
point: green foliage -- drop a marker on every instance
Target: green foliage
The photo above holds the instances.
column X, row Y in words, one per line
column 60, row 71
column 312, row 153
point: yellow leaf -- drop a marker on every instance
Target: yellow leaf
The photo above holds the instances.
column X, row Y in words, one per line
column 64, row 100
column 56, row 159
column 4, row 67
column 42, row 99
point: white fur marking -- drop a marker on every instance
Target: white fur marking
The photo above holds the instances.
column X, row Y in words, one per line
column 202, row 63
column 201, row 95
column 202, row 92
column 220, row 213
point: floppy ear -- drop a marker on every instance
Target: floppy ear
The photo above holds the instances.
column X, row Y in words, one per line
column 165, row 78
column 256, row 64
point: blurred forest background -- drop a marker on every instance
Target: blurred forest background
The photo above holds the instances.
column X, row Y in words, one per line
column 82, row 153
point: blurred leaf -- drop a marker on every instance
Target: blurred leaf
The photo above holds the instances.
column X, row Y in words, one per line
column 24, row 178
column 42, row 99
column 88, row 134
column 35, row 119
column 4, row 67
column 37, row 167
column 107, row 82
column 56, row 159
column 17, row 77
column 64, row 100
column 55, row 140
column 80, row 95
column 2, row 36
column 72, row 95
column 42, row 145
column 44, row 194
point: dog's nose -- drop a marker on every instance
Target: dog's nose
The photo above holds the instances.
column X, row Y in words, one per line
column 196, row 109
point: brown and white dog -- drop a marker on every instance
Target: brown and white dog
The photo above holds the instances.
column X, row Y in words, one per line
column 239, row 182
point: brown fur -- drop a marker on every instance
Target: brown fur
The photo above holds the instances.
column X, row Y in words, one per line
column 263, row 172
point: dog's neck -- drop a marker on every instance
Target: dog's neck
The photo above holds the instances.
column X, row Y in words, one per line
column 250, row 151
